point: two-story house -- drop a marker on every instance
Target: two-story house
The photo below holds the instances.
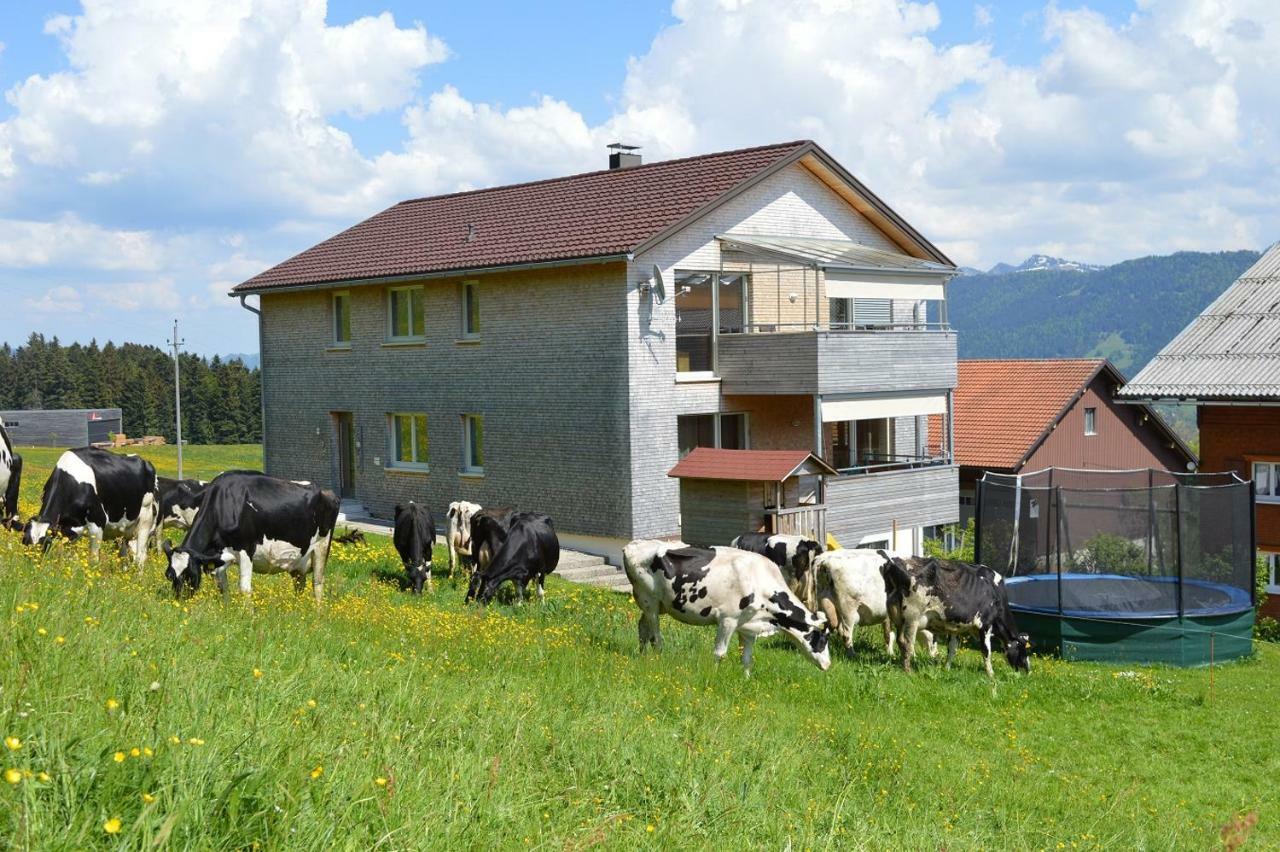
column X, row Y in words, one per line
column 1227, row 364
column 558, row 345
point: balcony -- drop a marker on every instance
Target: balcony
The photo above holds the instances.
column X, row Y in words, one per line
column 837, row 361
column 873, row 500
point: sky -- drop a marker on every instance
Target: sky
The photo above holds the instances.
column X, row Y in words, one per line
column 153, row 154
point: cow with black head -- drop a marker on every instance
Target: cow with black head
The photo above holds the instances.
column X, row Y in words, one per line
column 10, row 481
column 414, row 538
column 262, row 523
column 953, row 598
column 530, row 550
column 101, row 495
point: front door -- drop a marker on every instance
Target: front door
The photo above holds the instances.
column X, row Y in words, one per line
column 344, row 425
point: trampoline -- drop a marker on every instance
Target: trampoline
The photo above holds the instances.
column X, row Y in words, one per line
column 1124, row 566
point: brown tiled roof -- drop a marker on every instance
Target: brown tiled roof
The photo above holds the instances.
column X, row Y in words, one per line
column 598, row 214
column 744, row 465
column 1003, row 407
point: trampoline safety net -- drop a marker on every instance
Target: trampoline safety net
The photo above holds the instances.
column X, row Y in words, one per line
column 1139, row 543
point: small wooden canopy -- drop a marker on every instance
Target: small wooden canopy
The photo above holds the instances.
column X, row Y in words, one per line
column 749, row 465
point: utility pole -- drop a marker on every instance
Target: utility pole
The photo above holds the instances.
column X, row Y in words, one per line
column 177, row 392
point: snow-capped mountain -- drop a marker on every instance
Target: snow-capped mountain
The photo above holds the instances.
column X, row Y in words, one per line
column 1043, row 263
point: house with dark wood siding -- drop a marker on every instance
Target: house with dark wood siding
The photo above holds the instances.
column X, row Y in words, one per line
column 560, row 345
column 1022, row 415
column 1227, row 364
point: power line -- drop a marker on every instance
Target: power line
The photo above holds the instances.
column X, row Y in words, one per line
column 176, row 343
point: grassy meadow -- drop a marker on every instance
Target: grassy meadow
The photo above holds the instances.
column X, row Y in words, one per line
column 382, row 721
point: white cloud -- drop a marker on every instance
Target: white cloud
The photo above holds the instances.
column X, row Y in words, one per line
column 137, row 295
column 982, row 15
column 68, row 241
column 60, row 299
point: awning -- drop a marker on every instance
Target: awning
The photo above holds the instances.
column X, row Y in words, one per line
column 874, row 408
column 852, row 270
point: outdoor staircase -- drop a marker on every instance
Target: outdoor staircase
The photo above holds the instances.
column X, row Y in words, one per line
column 591, row 571
column 352, row 512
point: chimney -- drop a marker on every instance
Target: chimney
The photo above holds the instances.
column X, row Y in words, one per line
column 623, row 156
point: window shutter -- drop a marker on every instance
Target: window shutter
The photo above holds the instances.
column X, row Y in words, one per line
column 872, row 312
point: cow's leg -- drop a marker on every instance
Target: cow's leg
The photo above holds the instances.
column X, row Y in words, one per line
column 319, row 560
column 889, row 638
column 953, row 644
column 246, row 574
column 724, row 632
column 931, row 643
column 145, row 527
column 986, row 652
column 542, row 589
column 427, row 568
column 908, row 641
column 847, row 627
column 95, row 539
column 748, row 645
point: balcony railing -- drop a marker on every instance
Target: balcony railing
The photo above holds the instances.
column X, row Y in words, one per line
column 880, row 462
column 836, row 327
column 809, row 520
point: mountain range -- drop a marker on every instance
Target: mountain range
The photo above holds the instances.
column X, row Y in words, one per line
column 1048, row 307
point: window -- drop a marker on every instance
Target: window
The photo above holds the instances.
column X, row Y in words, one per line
column 1091, row 421
column 404, row 313
column 727, row 431
column 1273, row 571
column 342, row 319
column 473, row 443
column 1265, row 485
column 409, row 441
column 470, row 310
column 694, row 295
column 872, row 313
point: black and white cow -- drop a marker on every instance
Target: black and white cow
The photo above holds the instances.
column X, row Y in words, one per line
column 738, row 591
column 99, row 494
column 794, row 554
column 414, row 538
column 266, row 524
column 489, row 529
column 10, row 480
column 955, row 598
column 458, row 533
column 851, row 592
column 528, row 553
column 179, row 502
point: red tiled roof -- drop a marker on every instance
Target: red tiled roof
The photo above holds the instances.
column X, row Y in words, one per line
column 1002, row 407
column 598, row 214
column 743, row 465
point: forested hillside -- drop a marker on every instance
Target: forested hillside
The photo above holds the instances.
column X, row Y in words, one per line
column 1125, row 312
column 220, row 399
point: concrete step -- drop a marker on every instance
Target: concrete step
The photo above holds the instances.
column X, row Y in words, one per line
column 571, row 559
column 589, row 572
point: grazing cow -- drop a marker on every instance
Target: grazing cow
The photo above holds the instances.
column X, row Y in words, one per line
column 794, row 554
column 953, row 598
column 458, row 535
column 738, row 591
column 488, row 531
column 529, row 552
column 100, row 494
column 10, row 480
column 415, row 535
column 268, row 524
column 850, row 588
column 179, row 502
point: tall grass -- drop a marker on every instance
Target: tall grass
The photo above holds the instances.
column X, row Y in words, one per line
column 378, row 719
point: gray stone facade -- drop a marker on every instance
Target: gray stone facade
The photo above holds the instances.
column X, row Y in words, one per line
column 549, row 374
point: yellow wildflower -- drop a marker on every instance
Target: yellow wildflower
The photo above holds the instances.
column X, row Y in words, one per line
column 257, row 673
column 317, row 772
column 311, row 702
column 41, row 631
column 381, row 782
column 135, row 752
column 112, row 704
column 13, row 743
column 649, row 828
column 43, row 777
column 13, row 776
column 147, row 751
column 60, row 640
column 148, row 798
column 119, row 757
column 112, row 826
column 196, row 741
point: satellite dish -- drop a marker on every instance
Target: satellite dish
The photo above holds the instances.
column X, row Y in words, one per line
column 659, row 289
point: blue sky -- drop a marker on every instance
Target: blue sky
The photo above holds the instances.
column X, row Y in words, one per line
column 153, row 154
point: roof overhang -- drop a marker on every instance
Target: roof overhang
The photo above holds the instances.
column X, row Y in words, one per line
column 460, row 272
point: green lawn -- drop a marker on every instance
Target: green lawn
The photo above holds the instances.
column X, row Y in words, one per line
column 381, row 719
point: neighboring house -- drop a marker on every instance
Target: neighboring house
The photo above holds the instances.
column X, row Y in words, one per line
column 1227, row 364
column 559, row 345
column 61, row 427
column 1022, row 415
